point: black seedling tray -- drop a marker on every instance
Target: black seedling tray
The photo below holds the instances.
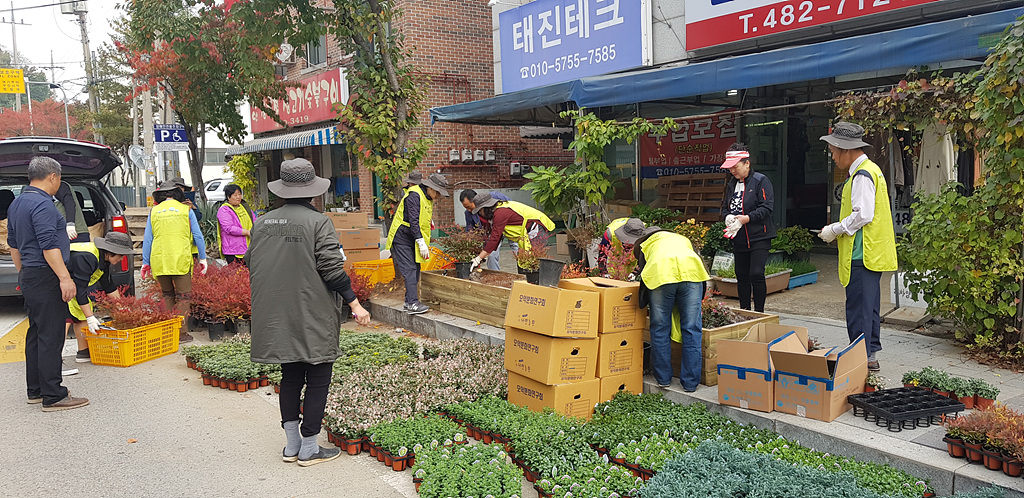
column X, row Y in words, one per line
column 903, row 408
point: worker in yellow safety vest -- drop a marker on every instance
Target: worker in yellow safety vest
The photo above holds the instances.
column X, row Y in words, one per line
column 672, row 280
column 867, row 240
column 167, row 248
column 614, row 235
column 88, row 264
column 516, row 221
column 409, row 235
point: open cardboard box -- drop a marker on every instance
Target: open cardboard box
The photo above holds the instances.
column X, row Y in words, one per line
column 745, row 371
column 816, row 384
column 618, row 305
column 575, row 400
column 551, row 311
column 549, row 360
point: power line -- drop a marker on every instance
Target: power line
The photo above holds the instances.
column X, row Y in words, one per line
column 64, row 2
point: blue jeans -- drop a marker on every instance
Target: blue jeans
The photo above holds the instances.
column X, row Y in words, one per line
column 685, row 296
column 863, row 307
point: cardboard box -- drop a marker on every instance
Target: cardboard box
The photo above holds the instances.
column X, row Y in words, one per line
column 549, row 360
column 620, row 353
column 367, row 238
column 562, row 244
column 620, row 208
column 551, row 311
column 345, row 221
column 576, row 400
column 358, row 255
column 816, row 384
column 745, row 372
column 632, row 382
column 619, row 309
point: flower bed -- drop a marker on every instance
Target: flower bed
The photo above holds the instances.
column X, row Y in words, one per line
column 478, row 471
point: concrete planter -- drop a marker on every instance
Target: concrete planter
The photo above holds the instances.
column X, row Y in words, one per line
column 775, row 283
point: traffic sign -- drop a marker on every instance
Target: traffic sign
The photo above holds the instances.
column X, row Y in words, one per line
column 169, row 137
column 12, row 80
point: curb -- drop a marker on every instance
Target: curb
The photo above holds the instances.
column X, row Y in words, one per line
column 945, row 474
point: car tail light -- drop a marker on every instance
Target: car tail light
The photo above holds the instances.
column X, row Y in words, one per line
column 120, row 224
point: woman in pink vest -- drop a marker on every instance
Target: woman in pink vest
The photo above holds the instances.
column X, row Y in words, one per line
column 235, row 219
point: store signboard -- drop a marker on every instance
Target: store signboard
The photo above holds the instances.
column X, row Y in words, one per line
column 696, row 146
column 551, row 41
column 310, row 102
column 714, row 22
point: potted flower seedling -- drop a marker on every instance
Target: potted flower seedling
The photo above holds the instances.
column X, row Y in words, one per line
column 874, row 382
column 985, row 394
column 462, row 245
column 964, row 390
column 911, row 379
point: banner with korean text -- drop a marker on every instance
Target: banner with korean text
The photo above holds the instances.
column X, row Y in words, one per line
column 551, row 41
column 311, row 102
column 714, row 22
column 696, row 146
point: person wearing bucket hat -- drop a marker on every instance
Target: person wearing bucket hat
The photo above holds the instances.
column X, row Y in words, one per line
column 171, row 230
column 296, row 274
column 89, row 266
column 190, row 196
column 672, row 280
column 865, row 234
column 409, row 235
column 623, row 231
column 515, row 221
column 748, row 205
column 475, row 221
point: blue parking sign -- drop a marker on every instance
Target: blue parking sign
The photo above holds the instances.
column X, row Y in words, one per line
column 169, row 137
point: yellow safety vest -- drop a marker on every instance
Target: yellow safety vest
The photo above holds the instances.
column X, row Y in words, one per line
column 613, row 226
column 426, row 213
column 171, row 251
column 670, row 259
column 878, row 236
column 518, row 233
column 89, row 247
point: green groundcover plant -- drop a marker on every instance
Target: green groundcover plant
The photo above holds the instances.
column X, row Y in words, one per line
column 467, row 471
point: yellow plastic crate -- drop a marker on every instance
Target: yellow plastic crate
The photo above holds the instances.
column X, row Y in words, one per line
column 124, row 348
column 438, row 260
column 378, row 271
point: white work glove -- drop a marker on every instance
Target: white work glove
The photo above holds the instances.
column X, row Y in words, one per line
column 424, row 250
column 93, row 323
column 72, row 233
column 476, row 262
column 732, row 226
column 385, row 254
column 828, row 233
column 342, row 250
column 202, row 267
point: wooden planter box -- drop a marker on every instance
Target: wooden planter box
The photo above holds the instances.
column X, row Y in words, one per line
column 709, row 343
column 775, row 283
column 465, row 298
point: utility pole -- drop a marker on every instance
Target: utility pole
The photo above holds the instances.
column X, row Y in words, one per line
column 80, row 9
column 16, row 60
column 51, row 67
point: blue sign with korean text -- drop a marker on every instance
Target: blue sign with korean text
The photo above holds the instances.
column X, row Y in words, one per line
column 551, row 41
column 169, row 138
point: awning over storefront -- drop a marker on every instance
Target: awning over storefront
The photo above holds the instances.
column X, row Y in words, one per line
column 322, row 136
column 933, row 43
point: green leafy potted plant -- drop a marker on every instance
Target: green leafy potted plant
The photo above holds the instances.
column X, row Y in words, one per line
column 528, row 261
column 985, row 394
column 874, row 382
column 776, row 277
column 795, row 241
column 911, row 379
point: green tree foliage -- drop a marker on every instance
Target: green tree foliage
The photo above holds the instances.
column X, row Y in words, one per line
column 209, row 58
column 243, row 170
column 111, row 70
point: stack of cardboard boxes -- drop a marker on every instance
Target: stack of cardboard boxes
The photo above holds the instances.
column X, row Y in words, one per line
column 359, row 242
column 770, row 369
column 572, row 347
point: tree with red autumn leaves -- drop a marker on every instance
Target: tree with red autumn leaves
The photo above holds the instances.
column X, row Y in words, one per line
column 47, row 120
column 208, row 58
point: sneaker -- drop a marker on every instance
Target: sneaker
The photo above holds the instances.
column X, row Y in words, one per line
column 322, row 455
column 690, row 389
column 873, row 366
column 289, row 459
column 184, row 337
column 68, row 371
column 417, row 308
column 35, row 400
column 68, row 403
column 83, row 356
column 665, row 386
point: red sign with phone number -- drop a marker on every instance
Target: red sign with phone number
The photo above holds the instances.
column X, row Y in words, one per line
column 740, row 20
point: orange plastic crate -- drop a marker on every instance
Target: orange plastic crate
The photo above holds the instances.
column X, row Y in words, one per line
column 438, row 260
column 378, row 271
column 124, row 348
